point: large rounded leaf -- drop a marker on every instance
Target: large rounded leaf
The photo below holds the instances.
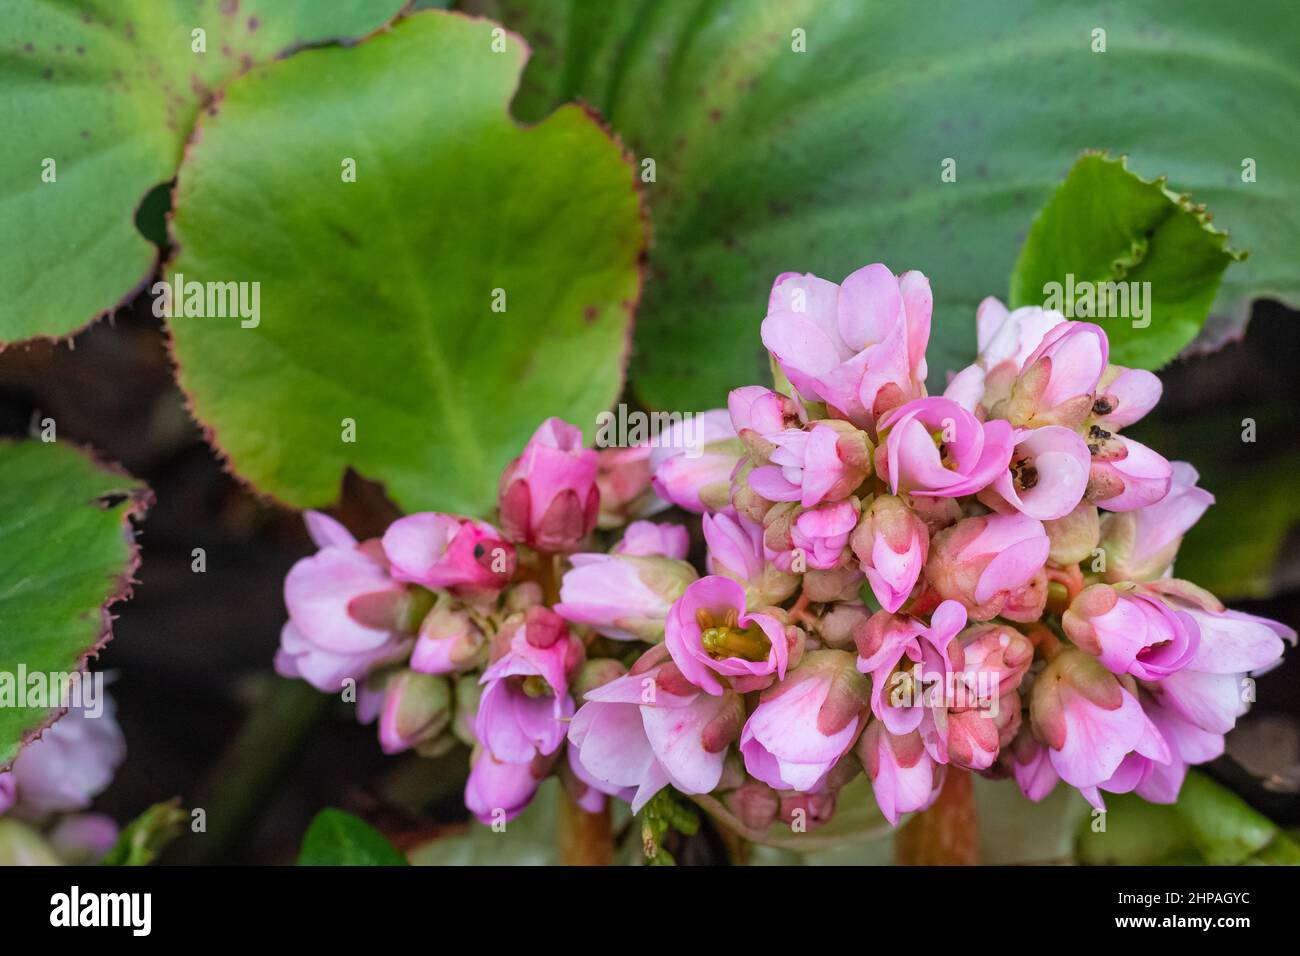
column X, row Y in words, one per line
column 66, row 553
column 417, row 323
column 107, row 91
column 769, row 159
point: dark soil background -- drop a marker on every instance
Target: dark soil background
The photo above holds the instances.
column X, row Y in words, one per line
column 192, row 651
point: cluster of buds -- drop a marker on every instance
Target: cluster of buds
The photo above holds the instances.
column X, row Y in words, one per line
column 842, row 574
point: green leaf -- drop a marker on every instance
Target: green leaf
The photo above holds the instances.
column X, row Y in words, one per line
column 68, row 554
column 1106, row 230
column 377, row 295
column 1137, row 833
column 144, row 837
column 769, row 160
column 336, row 838
column 1209, row 824
column 109, row 90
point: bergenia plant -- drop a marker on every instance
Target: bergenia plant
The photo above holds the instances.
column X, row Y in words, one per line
column 855, row 576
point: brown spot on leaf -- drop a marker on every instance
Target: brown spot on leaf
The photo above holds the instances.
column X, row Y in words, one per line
column 589, row 314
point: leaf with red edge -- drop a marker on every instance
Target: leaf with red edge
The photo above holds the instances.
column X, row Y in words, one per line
column 67, row 552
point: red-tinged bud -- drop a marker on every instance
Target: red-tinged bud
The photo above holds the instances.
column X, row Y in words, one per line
column 548, row 497
column 755, row 804
column 449, row 641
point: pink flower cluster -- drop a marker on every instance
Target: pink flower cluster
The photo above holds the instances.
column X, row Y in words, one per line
column 878, row 579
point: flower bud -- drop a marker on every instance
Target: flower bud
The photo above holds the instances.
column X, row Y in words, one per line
column 443, row 552
column 989, row 563
column 822, row 533
column 809, row 810
column 417, row 708
column 838, row 625
column 658, row 540
column 757, row 414
column 622, row 596
column 449, row 641
column 694, row 460
column 1074, row 537
column 891, row 544
column 548, row 497
column 755, row 804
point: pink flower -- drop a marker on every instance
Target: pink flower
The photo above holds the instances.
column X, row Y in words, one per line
column 826, row 462
column 804, row 724
column 623, row 596
column 1089, row 720
column 70, row 764
column 1060, row 377
column 906, row 659
column 709, row 634
column 648, row 539
column 345, row 610
column 1141, row 544
column 1189, row 745
column 1208, row 691
column 1005, row 340
column 548, row 497
column 497, row 792
column 1131, row 631
column 758, row 413
column 904, row 777
column 449, row 641
column 988, row 564
column 934, row 447
column 1125, row 474
column 525, row 692
column 859, row 347
column 417, row 708
column 1011, row 337
column 1048, row 474
column 694, row 460
column 1125, row 395
column 650, row 728
column 822, row 533
column 444, row 552
column 891, row 544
